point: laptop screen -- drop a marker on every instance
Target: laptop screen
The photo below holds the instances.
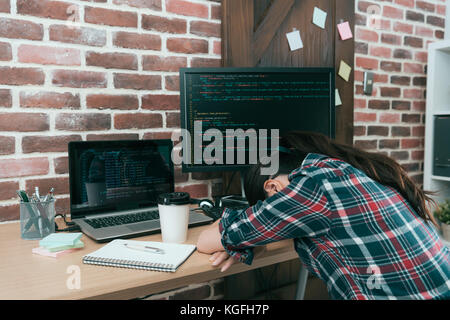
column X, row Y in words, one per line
column 108, row 176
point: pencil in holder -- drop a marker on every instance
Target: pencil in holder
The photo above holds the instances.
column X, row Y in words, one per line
column 37, row 219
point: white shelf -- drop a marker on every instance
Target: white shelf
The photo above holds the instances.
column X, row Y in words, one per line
column 438, row 97
column 440, row 178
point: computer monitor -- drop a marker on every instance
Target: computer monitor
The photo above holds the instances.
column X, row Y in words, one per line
column 251, row 98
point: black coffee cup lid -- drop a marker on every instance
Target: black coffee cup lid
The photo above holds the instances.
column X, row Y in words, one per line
column 174, row 198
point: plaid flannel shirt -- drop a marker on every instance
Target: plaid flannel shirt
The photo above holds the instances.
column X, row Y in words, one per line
column 360, row 237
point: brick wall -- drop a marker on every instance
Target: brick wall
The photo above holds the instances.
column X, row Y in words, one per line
column 98, row 69
column 394, row 46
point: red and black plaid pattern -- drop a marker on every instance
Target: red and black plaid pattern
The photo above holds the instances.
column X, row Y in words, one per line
column 362, row 238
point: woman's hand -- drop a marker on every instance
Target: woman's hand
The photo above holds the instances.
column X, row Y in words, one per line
column 222, row 258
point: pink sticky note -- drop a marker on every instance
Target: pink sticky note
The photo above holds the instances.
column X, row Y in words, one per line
column 345, row 31
column 44, row 252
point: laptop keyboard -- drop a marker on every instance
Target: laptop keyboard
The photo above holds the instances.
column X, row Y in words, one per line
column 122, row 219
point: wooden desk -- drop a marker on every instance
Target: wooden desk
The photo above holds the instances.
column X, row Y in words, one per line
column 24, row 275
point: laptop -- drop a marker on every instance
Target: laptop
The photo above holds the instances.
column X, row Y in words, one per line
column 114, row 187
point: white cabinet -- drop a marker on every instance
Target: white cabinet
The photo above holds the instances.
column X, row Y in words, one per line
column 438, row 104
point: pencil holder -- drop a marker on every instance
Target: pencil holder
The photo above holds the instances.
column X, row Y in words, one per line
column 37, row 219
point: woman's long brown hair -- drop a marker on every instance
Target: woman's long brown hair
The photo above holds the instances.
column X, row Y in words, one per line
column 377, row 166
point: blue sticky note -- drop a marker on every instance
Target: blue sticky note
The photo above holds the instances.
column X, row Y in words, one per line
column 68, row 239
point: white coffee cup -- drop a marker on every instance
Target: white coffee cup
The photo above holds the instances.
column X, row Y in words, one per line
column 174, row 216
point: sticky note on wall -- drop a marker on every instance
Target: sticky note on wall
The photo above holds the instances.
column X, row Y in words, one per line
column 337, row 98
column 345, row 71
column 345, row 31
column 319, row 17
column 294, row 39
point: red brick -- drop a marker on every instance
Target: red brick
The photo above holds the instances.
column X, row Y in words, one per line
column 413, row 68
column 110, row 17
column 359, row 131
column 426, row 6
column 7, row 145
column 195, row 190
column 366, row 63
column 436, row 21
column 120, row 102
column 5, row 98
column 13, row 168
column 413, row 42
column 365, row 144
column 5, row 6
column 377, row 131
column 150, row 4
column 137, row 121
column 48, row 55
column 400, row 131
column 21, row 76
column 206, row 63
column 8, row 190
column 379, row 104
column 137, row 81
column 158, row 63
column 47, row 9
column 381, row 52
column 79, row 35
column 417, row 155
column 216, row 12
column 161, row 102
column 419, row 106
column 112, row 136
column 137, row 41
column 79, row 79
column 418, row 131
column 402, row 54
column 61, row 165
column 365, row 117
column 61, row 185
column 112, row 60
column 414, row 16
column 5, row 51
column 401, row 105
column 20, row 29
column 163, row 24
column 391, row 39
column 391, row 12
column 186, row 45
column 410, row 118
column 52, row 100
column 24, row 122
column 441, row 9
column 405, row 3
column 158, row 135
column 411, row 143
column 403, row 27
column 366, row 35
column 58, row 143
column 82, row 122
column 413, row 93
column 9, row 212
column 172, row 119
column 172, row 83
column 360, row 103
column 389, row 118
column 206, row 29
column 421, row 56
column 390, row 92
column 401, row 80
column 424, row 31
column 217, row 47
column 187, row 8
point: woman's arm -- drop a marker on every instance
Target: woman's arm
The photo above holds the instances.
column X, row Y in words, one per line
column 209, row 240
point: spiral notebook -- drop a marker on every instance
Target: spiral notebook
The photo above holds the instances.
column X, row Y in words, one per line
column 147, row 255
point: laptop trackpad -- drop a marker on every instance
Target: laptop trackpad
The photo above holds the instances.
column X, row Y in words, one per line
column 148, row 225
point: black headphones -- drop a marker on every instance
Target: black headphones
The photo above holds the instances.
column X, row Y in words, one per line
column 203, row 203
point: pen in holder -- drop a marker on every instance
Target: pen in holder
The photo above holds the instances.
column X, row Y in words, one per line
column 37, row 219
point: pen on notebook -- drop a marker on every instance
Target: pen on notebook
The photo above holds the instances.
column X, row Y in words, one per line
column 144, row 248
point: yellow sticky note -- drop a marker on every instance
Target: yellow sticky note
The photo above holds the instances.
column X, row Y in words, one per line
column 344, row 71
column 337, row 98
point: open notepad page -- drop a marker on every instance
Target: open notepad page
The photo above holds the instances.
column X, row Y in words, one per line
column 123, row 253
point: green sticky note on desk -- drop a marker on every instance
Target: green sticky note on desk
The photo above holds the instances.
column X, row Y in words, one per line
column 61, row 239
column 60, row 247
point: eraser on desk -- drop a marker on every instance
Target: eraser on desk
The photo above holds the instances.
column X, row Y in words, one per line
column 44, row 252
